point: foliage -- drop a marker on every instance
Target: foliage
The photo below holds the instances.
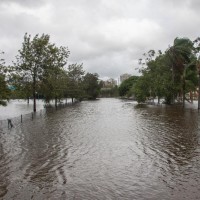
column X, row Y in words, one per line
column 54, row 81
column 91, row 86
column 141, row 89
column 40, row 69
column 109, row 92
column 4, row 91
column 38, row 60
column 168, row 75
column 75, row 77
column 125, row 87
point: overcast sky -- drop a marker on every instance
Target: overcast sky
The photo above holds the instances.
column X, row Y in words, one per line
column 107, row 36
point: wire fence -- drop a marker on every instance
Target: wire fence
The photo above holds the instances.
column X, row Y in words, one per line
column 23, row 118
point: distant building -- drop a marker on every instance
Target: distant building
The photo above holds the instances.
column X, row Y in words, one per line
column 110, row 83
column 123, row 77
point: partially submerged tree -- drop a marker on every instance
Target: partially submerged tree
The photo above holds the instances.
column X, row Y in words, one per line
column 170, row 75
column 91, row 86
column 54, row 80
column 125, row 89
column 196, row 44
column 4, row 91
column 180, row 55
column 37, row 58
column 75, row 77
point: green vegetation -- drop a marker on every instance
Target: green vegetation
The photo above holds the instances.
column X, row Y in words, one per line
column 40, row 70
column 126, row 87
column 109, row 92
column 91, row 86
column 39, row 62
column 75, row 77
column 4, row 91
column 169, row 75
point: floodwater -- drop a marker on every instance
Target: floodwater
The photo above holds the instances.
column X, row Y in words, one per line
column 104, row 149
column 15, row 108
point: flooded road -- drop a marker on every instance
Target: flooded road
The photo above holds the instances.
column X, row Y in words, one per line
column 15, row 108
column 104, row 149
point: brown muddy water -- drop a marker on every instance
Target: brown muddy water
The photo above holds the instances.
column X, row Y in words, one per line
column 104, row 149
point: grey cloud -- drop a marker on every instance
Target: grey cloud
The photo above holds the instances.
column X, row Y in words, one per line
column 195, row 5
column 25, row 3
column 107, row 36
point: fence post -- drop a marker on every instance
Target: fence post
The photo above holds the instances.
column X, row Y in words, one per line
column 10, row 123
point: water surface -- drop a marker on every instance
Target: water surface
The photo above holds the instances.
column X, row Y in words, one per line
column 104, row 149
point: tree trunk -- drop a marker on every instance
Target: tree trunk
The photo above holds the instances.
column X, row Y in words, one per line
column 199, row 93
column 191, row 96
column 158, row 100
column 27, row 100
column 173, row 96
column 34, row 93
column 56, row 102
column 183, row 91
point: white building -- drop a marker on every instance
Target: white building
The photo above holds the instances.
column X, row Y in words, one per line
column 123, row 77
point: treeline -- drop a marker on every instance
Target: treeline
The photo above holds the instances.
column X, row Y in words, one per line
column 40, row 70
column 169, row 75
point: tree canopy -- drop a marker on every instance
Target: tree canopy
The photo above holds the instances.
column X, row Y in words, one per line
column 4, row 91
column 40, row 69
column 168, row 75
column 91, row 86
column 39, row 60
column 125, row 89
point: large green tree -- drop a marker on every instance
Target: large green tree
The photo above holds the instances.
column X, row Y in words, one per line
column 196, row 44
column 180, row 55
column 91, row 86
column 127, row 85
column 4, row 91
column 38, row 58
column 54, row 80
column 170, row 75
column 75, row 75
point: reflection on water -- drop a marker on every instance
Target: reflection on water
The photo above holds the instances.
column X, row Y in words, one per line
column 105, row 149
column 15, row 108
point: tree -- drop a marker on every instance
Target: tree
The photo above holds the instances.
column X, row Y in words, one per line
column 54, row 80
column 125, row 87
column 158, row 76
column 180, row 56
column 168, row 75
column 32, row 60
column 4, row 91
column 109, row 92
column 54, row 86
column 91, row 86
column 22, row 86
column 37, row 58
column 75, row 74
column 196, row 44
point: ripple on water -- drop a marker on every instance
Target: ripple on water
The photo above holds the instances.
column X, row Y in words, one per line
column 105, row 149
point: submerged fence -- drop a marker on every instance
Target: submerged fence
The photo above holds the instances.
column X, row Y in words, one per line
column 23, row 118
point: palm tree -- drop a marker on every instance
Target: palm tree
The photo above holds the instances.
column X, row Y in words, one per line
column 196, row 44
column 180, row 56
